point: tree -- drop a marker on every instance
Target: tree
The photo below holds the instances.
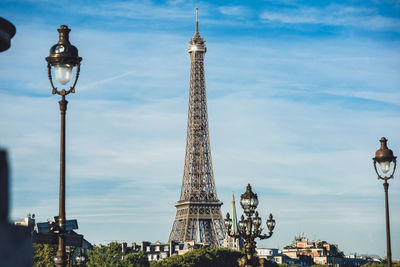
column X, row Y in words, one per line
column 137, row 259
column 269, row 263
column 111, row 255
column 210, row 257
column 43, row 255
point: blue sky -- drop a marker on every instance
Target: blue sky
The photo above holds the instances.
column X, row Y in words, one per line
column 299, row 93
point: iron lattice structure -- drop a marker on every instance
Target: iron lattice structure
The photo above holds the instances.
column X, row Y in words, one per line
column 198, row 216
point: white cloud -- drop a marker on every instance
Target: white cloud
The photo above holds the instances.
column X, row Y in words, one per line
column 145, row 10
column 335, row 15
column 235, row 11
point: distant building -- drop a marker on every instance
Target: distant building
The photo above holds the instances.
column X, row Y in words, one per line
column 319, row 252
column 267, row 253
column 233, row 242
column 300, row 260
column 275, row 255
column 359, row 260
column 28, row 221
column 158, row 251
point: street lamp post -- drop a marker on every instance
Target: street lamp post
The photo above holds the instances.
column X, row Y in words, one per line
column 80, row 259
column 250, row 228
column 63, row 57
column 384, row 157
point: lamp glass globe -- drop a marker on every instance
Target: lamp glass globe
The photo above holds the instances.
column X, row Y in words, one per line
column 385, row 166
column 63, row 73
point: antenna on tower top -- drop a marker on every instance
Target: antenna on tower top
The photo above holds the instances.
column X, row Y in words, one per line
column 197, row 19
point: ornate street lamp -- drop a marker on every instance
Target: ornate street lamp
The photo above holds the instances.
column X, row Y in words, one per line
column 63, row 58
column 80, row 259
column 384, row 157
column 249, row 228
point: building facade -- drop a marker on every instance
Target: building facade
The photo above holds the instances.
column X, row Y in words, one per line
column 159, row 251
column 303, row 250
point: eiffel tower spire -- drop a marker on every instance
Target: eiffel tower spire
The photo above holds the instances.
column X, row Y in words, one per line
column 197, row 20
column 198, row 216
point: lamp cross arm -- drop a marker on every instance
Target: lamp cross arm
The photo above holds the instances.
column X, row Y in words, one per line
column 232, row 234
column 265, row 236
column 258, row 231
column 235, row 235
column 244, row 234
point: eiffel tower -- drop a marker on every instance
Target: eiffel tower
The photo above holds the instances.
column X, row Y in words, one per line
column 198, row 216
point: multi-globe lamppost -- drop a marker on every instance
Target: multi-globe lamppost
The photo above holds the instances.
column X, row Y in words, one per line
column 80, row 259
column 384, row 157
column 250, row 228
column 63, row 57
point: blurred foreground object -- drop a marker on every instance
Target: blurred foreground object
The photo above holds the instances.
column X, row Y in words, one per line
column 7, row 31
column 15, row 241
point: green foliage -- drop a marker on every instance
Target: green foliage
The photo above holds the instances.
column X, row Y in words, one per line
column 322, row 265
column 269, row 263
column 43, row 255
column 210, row 257
column 137, row 259
column 111, row 256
